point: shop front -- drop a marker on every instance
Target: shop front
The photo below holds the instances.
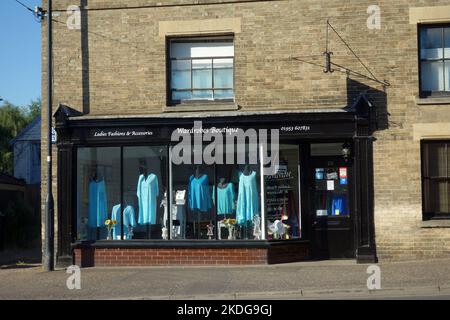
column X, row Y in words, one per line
column 241, row 188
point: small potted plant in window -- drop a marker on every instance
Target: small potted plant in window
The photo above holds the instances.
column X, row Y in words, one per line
column 110, row 224
column 230, row 224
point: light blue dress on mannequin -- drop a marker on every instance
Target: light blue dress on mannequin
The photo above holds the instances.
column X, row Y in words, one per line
column 247, row 203
column 147, row 193
column 225, row 199
column 199, row 194
column 98, row 208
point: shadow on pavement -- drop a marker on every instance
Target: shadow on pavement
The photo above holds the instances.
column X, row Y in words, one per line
column 20, row 258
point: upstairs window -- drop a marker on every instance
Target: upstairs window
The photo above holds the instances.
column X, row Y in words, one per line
column 201, row 70
column 435, row 60
column 436, row 179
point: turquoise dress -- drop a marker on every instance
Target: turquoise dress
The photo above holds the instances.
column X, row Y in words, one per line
column 248, row 198
column 98, row 208
column 199, row 194
column 225, row 199
column 147, row 194
column 128, row 220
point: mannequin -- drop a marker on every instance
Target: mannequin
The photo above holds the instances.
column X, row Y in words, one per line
column 94, row 174
column 222, row 183
column 248, row 225
column 197, row 175
column 97, row 182
column 143, row 167
column 198, row 172
column 247, row 170
column 144, row 171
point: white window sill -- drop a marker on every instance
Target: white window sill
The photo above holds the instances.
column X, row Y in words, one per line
column 435, row 224
column 432, row 101
column 202, row 107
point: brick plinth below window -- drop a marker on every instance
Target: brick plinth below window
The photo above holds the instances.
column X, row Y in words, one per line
column 100, row 257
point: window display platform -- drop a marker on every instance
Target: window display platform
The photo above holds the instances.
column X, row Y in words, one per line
column 195, row 252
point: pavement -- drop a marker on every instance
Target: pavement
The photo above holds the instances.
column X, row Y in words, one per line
column 343, row 279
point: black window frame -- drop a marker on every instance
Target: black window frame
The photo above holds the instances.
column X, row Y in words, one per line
column 200, row 39
column 420, row 28
column 425, row 168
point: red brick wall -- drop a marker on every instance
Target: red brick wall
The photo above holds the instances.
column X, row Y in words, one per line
column 90, row 257
column 87, row 257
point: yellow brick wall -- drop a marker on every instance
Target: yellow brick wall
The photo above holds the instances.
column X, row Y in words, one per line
column 127, row 75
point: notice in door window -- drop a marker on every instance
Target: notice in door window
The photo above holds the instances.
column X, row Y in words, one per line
column 330, row 185
column 343, row 173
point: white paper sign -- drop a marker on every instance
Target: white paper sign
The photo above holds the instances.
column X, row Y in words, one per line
column 54, row 136
column 330, row 185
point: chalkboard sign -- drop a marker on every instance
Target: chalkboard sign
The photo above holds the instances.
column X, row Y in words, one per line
column 278, row 187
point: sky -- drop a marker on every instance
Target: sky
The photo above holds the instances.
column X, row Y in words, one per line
column 20, row 53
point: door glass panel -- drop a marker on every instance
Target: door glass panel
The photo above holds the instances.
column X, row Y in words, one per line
column 331, row 197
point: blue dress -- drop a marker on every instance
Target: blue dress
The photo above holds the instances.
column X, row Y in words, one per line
column 248, row 198
column 199, row 194
column 147, row 194
column 98, row 208
column 225, row 199
column 128, row 220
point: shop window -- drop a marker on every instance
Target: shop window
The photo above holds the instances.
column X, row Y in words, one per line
column 98, row 190
column 237, row 196
column 224, row 201
column 144, row 193
column 192, row 208
column 201, row 70
column 217, row 201
column 134, row 205
column 282, row 195
column 435, row 179
column 434, row 60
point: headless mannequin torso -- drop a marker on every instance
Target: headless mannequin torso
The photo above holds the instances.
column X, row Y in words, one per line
column 222, row 183
column 198, row 172
column 247, row 170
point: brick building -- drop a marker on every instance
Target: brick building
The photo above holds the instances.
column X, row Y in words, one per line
column 363, row 154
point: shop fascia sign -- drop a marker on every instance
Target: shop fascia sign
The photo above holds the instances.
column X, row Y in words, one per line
column 121, row 133
column 113, row 133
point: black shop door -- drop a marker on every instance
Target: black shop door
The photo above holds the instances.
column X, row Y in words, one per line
column 331, row 210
